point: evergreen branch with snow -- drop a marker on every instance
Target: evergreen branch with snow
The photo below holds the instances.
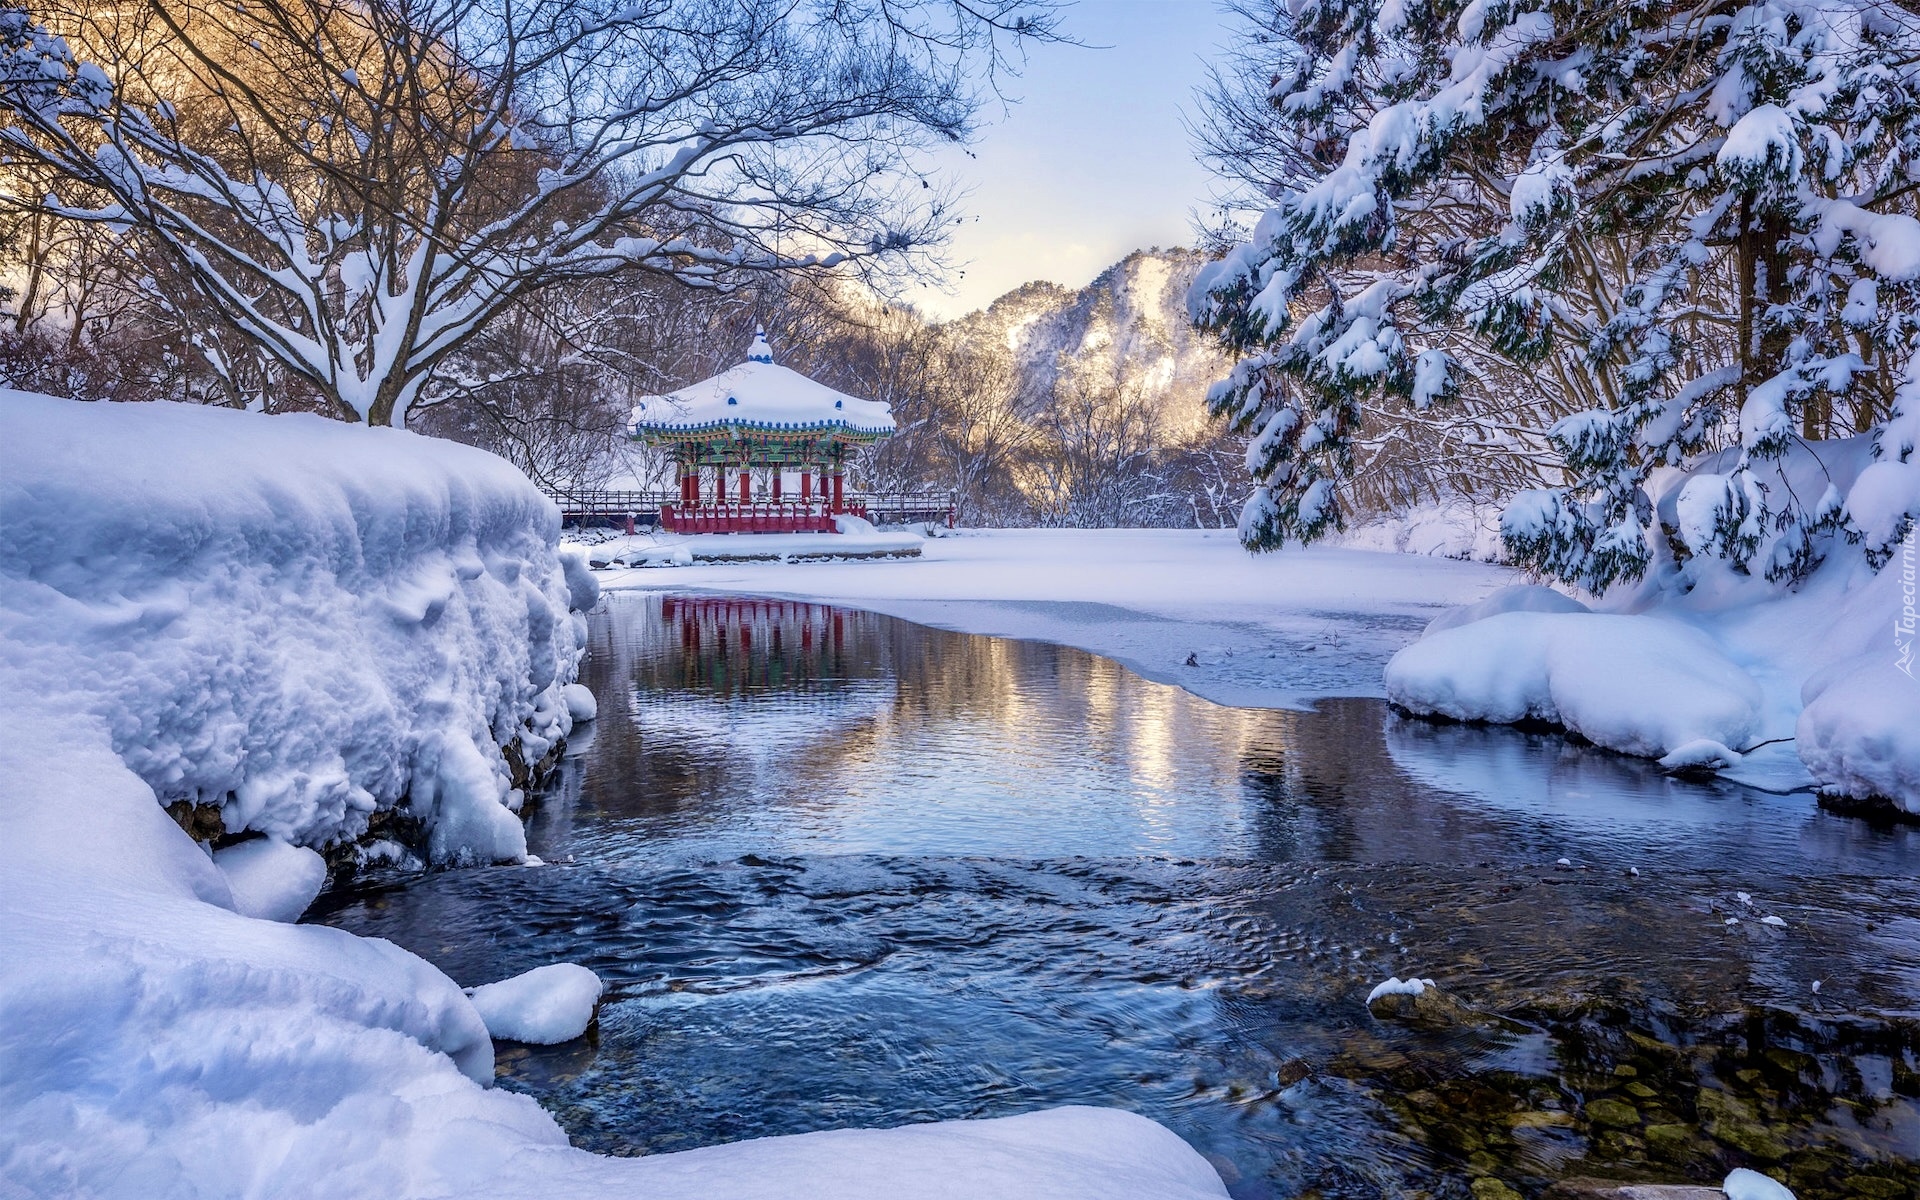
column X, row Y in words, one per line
column 1690, row 226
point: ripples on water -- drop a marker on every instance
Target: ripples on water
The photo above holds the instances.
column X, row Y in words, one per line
column 842, row 870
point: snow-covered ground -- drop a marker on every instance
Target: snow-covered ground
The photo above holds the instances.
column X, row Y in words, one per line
column 1710, row 668
column 1187, row 607
column 300, row 626
column 855, row 539
column 1454, row 528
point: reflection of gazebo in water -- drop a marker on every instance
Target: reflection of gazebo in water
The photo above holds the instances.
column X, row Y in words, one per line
column 759, row 448
column 755, row 675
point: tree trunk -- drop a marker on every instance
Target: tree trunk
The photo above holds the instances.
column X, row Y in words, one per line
column 1764, row 262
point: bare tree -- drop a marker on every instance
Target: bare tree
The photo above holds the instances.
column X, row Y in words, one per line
column 338, row 196
column 1095, row 461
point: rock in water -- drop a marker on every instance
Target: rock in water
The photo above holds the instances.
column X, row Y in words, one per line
column 1418, row 1001
column 545, row 1006
column 1396, row 986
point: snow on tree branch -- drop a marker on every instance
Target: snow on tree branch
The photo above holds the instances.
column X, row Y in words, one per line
column 355, row 190
column 1694, row 225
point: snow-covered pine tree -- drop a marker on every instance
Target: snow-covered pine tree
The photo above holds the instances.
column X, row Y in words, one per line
column 1699, row 216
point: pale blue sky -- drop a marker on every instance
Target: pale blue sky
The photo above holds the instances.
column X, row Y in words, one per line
column 1093, row 161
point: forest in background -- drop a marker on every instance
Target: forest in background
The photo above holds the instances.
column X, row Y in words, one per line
column 384, row 214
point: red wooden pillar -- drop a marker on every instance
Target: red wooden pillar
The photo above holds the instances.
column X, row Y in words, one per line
column 839, row 490
column 806, row 485
column 719, row 485
column 746, row 486
column 778, row 475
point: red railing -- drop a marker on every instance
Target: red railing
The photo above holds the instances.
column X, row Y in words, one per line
column 750, row 518
column 791, row 515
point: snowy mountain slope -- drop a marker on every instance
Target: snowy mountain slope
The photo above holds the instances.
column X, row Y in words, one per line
column 304, row 622
column 1130, row 323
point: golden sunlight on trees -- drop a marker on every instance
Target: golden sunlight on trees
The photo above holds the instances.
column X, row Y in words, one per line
column 331, row 198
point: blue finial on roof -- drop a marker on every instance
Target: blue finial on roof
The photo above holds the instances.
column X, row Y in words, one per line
column 760, row 351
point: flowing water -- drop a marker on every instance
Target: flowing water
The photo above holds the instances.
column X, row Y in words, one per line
column 842, row 870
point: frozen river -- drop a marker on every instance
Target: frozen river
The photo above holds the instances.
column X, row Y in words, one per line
column 843, row 870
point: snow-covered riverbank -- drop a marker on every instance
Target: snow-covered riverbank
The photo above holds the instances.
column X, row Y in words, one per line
column 1186, row 607
column 1786, row 677
column 300, row 628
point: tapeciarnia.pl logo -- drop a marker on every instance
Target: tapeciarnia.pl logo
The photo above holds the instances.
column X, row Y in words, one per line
column 1903, row 627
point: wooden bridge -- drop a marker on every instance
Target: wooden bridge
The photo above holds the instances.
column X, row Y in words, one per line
column 647, row 510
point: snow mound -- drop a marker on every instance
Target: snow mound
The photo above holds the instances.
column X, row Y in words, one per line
column 583, row 590
column 1745, row 1184
column 142, row 1021
column 581, row 705
column 1701, row 754
column 544, row 1006
column 271, row 879
column 1073, row 1153
column 1434, row 529
column 299, row 621
column 1519, row 598
column 1640, row 685
column 640, row 552
column 1859, row 733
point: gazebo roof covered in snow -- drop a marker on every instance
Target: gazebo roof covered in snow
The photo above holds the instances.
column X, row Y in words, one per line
column 758, row 396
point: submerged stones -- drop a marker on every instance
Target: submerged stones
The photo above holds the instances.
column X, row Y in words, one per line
column 1644, row 1104
column 1613, row 1189
column 1615, row 1113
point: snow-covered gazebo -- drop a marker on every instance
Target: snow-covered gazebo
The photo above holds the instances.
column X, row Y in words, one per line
column 760, row 448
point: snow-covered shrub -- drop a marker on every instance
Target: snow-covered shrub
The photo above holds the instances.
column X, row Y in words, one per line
column 301, row 622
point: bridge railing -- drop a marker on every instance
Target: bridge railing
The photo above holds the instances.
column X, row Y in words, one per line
column 604, row 503
column 645, row 510
column 906, row 508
